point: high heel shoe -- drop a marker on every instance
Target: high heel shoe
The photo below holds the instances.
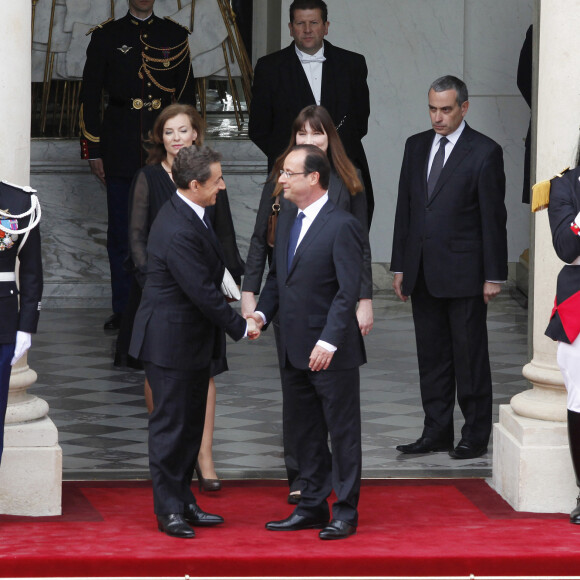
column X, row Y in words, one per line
column 207, row 484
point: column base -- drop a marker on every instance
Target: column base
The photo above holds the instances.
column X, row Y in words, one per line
column 532, row 469
column 31, row 470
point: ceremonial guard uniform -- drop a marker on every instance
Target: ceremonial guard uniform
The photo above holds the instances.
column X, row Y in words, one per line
column 143, row 66
column 19, row 237
column 564, row 326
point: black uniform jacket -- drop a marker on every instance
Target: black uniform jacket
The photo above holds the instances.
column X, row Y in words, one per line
column 564, row 207
column 143, row 66
column 16, row 317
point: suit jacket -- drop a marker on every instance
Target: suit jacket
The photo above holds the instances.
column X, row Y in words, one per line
column 259, row 249
column 281, row 90
column 19, row 314
column 459, row 234
column 316, row 299
column 183, row 314
column 564, row 207
column 118, row 62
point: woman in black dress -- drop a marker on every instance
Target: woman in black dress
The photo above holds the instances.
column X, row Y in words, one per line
column 179, row 126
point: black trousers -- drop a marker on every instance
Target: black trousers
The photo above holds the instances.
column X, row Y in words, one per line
column 452, row 349
column 118, row 240
column 175, row 432
column 316, row 405
column 6, row 354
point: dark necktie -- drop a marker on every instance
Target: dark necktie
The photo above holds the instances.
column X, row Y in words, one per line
column 207, row 222
column 436, row 166
column 294, row 235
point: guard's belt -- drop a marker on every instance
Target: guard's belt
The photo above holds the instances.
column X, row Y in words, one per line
column 135, row 104
column 7, row 277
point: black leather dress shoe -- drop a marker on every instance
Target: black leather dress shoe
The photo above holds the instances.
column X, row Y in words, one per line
column 196, row 517
column 296, row 522
column 113, row 322
column 466, row 451
column 174, row 525
column 337, row 530
column 425, row 445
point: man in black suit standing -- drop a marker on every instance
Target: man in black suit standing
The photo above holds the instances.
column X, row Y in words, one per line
column 314, row 284
column 311, row 71
column 178, row 329
column 450, row 256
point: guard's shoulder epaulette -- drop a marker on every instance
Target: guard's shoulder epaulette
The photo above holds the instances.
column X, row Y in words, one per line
column 25, row 188
column 100, row 25
column 178, row 24
column 541, row 192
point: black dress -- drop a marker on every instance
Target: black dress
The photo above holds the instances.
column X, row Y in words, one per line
column 150, row 190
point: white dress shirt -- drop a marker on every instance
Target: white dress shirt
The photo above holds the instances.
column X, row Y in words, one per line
column 312, row 65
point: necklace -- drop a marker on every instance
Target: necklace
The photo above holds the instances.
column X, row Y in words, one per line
column 165, row 167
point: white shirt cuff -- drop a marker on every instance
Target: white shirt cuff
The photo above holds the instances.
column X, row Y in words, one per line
column 326, row 345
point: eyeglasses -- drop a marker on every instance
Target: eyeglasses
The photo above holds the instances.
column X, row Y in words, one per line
column 288, row 174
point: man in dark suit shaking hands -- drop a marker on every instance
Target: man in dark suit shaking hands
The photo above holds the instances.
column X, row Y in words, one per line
column 450, row 256
column 314, row 284
column 311, row 71
column 178, row 329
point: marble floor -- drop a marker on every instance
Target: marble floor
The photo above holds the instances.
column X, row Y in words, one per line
column 102, row 420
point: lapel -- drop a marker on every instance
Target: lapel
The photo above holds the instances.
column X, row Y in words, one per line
column 299, row 85
column 460, row 152
column 313, row 231
column 330, row 74
column 192, row 218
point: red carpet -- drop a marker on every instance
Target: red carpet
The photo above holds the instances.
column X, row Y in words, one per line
column 407, row 528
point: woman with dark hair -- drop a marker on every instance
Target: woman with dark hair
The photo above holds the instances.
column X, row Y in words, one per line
column 178, row 126
column 312, row 126
column 564, row 326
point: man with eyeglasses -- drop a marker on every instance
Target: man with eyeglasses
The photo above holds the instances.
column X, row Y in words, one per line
column 311, row 71
column 313, row 285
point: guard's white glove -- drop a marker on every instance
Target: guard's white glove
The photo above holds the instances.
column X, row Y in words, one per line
column 23, row 341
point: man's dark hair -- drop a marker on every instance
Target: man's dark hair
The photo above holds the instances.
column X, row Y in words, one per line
column 316, row 160
column 449, row 82
column 309, row 5
column 193, row 163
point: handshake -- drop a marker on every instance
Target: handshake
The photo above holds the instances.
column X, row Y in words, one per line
column 255, row 324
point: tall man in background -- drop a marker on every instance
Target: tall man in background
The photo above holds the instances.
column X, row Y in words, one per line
column 311, row 71
column 450, row 255
column 143, row 64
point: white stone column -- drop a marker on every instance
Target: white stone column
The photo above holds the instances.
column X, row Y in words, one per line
column 531, row 464
column 31, row 470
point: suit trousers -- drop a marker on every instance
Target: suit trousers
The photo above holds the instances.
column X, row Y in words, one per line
column 316, row 404
column 175, row 432
column 6, row 354
column 452, row 349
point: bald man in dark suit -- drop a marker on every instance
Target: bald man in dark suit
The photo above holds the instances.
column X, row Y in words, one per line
column 450, row 256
